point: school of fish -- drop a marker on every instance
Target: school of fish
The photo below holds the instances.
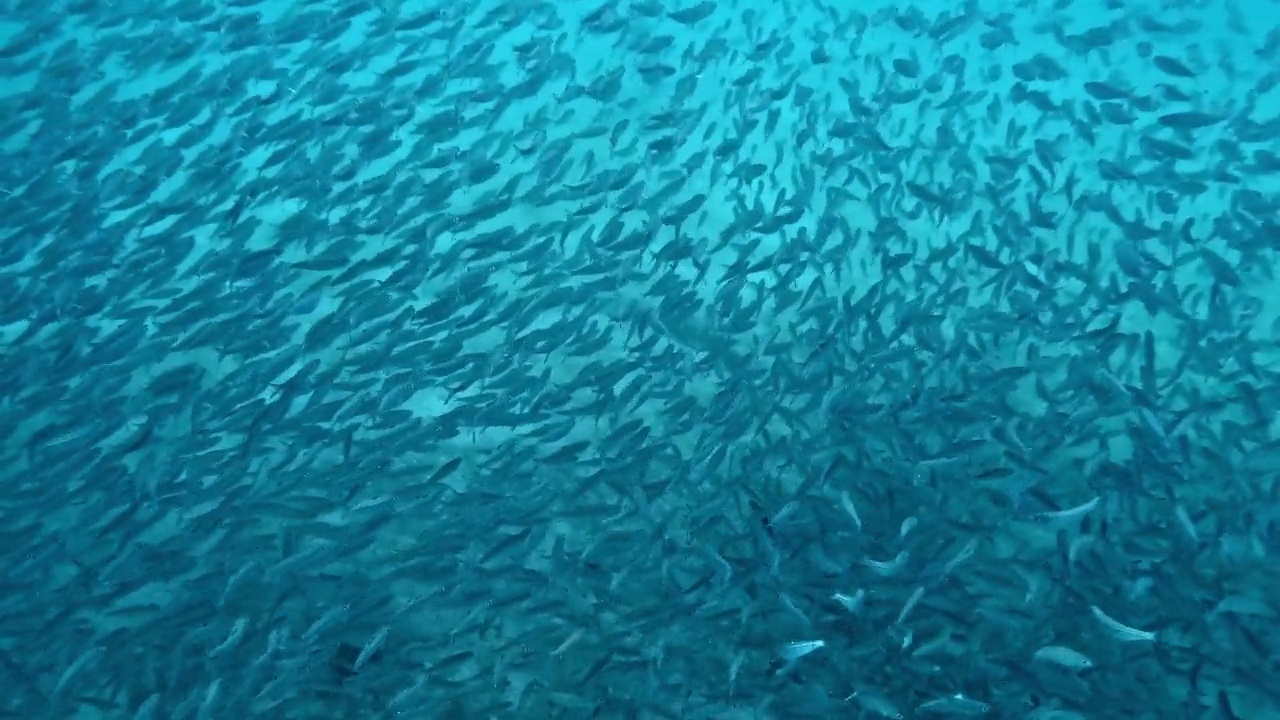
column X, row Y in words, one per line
column 639, row 359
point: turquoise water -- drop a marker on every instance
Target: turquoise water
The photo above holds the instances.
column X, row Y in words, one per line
column 639, row 360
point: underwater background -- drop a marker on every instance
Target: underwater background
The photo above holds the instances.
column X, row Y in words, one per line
column 698, row 359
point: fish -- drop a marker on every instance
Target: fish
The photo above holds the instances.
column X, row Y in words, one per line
column 956, row 705
column 797, row 649
column 1064, row 657
column 1119, row 630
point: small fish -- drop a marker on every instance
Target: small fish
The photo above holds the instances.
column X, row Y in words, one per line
column 211, row 697
column 1120, row 631
column 371, row 648
column 237, row 209
column 1188, row 525
column 907, row 526
column 888, row 568
column 233, row 638
column 852, row 603
column 734, row 667
column 787, row 511
column 910, row 605
column 846, row 502
column 569, row 642
column 1063, row 657
column 444, row 471
column 794, row 609
column 793, row 651
column 963, row 554
column 1067, row 515
column 955, row 706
